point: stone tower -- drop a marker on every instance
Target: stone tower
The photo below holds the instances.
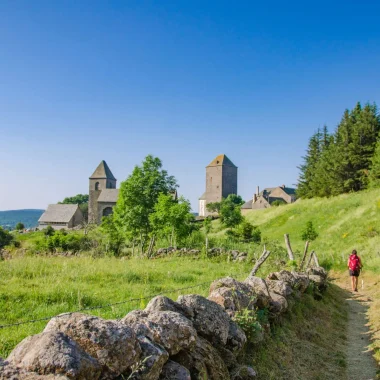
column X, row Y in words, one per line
column 101, row 179
column 221, row 181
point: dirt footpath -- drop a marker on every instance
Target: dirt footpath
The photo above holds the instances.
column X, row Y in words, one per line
column 360, row 363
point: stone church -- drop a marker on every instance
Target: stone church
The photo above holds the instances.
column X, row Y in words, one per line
column 221, row 181
column 102, row 193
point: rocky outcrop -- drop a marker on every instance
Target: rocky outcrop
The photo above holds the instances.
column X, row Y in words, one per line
column 54, row 353
column 191, row 338
column 112, row 343
column 170, row 329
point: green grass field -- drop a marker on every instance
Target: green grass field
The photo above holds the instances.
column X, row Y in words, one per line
column 38, row 287
column 343, row 223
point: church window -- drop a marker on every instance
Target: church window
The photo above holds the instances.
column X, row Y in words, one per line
column 107, row 211
column 97, row 186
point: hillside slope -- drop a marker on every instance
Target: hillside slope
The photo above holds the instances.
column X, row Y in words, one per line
column 343, row 223
column 29, row 217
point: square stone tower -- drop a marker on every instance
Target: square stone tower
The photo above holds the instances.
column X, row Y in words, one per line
column 221, row 181
column 101, row 179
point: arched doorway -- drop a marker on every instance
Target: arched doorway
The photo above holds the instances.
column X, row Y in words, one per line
column 107, row 211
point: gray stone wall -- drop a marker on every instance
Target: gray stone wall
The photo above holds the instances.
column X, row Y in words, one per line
column 101, row 207
column 93, row 207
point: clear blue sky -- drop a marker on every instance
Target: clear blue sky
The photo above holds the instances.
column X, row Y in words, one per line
column 82, row 81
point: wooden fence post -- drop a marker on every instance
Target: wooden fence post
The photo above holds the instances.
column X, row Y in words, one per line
column 288, row 247
column 260, row 261
column 304, row 254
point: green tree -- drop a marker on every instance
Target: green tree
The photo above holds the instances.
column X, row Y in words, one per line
column 248, row 232
column 374, row 174
column 309, row 233
column 230, row 214
column 214, row 207
column 76, row 199
column 171, row 218
column 19, row 226
column 137, row 197
column 6, row 237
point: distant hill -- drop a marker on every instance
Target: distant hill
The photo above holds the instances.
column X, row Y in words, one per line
column 9, row 219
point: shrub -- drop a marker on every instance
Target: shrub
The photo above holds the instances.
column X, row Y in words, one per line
column 19, row 226
column 5, row 237
column 49, row 231
column 309, row 232
column 278, row 202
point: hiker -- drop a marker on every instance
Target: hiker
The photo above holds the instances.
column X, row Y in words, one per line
column 354, row 265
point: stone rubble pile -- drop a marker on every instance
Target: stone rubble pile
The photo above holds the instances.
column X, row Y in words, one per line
column 191, row 338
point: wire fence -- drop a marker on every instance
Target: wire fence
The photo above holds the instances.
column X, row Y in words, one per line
column 131, row 300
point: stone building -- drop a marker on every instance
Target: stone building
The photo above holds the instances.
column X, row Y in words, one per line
column 102, row 193
column 61, row 216
column 221, row 181
column 265, row 198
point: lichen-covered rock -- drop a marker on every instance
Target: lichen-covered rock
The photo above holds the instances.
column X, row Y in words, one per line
column 319, row 271
column 260, row 287
column 54, row 353
column 152, row 360
column 203, row 362
column 210, row 320
column 174, row 371
column 236, row 338
column 318, row 280
column 162, row 303
column 232, row 295
column 283, row 275
column 302, row 281
column 279, row 287
column 112, row 343
column 10, row 372
column 279, row 304
column 170, row 329
column 243, row 372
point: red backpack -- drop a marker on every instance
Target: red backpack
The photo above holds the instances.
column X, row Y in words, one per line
column 354, row 263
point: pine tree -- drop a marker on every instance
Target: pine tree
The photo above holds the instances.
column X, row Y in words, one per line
column 374, row 174
column 307, row 169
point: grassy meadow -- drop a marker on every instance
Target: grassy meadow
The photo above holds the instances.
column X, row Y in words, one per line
column 343, row 223
column 39, row 287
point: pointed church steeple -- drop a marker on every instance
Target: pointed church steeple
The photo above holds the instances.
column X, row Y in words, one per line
column 103, row 172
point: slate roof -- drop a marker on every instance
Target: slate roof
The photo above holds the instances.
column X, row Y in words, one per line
column 58, row 213
column 203, row 197
column 103, row 171
column 109, row 195
column 220, row 160
column 247, row 204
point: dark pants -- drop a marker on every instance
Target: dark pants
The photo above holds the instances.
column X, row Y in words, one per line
column 354, row 273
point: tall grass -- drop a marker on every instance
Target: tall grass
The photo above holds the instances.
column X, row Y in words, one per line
column 38, row 287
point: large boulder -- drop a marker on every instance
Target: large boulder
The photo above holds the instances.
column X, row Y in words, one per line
column 152, row 360
column 279, row 287
column 278, row 304
column 170, row 329
column 209, row 319
column 236, row 339
column 302, row 281
column 260, row 287
column 112, row 343
column 174, row 371
column 284, row 276
column 162, row 303
column 54, row 353
column 203, row 362
column 232, row 295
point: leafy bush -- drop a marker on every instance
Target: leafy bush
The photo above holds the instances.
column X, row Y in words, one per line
column 248, row 232
column 278, row 202
column 251, row 322
column 309, row 232
column 19, row 226
column 49, row 231
column 5, row 237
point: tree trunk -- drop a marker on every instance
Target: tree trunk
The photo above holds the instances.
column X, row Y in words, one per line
column 304, row 254
column 309, row 261
column 288, row 247
column 260, row 262
column 151, row 245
